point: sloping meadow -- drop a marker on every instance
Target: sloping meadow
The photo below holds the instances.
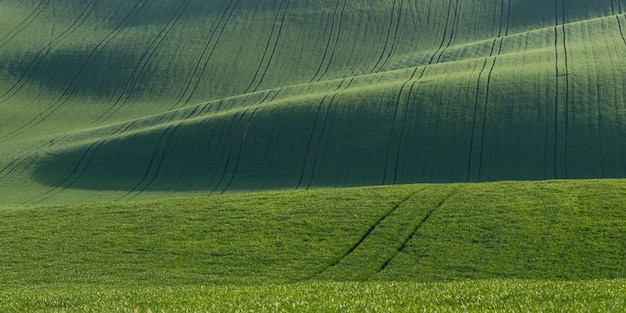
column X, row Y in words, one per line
column 127, row 99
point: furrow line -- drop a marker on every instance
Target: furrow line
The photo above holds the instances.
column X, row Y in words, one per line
column 445, row 33
column 474, row 118
column 389, row 28
column 241, row 145
column 601, row 121
column 271, row 58
column 612, row 8
column 508, row 18
column 402, row 130
column 133, row 78
column 493, row 65
column 394, row 44
column 223, row 21
column 4, row 172
column 12, row 166
column 159, row 166
column 74, row 84
column 486, row 106
column 392, row 131
column 177, row 126
column 310, row 141
column 153, row 160
column 245, row 135
column 267, row 47
column 380, row 63
column 39, row 57
column 268, row 148
column 48, row 194
column 66, row 183
column 319, row 141
column 567, row 108
column 339, row 29
column 34, row 14
column 373, row 227
column 233, row 140
column 416, row 229
column 619, row 22
column 455, row 23
column 398, row 100
column 557, row 87
column 330, row 38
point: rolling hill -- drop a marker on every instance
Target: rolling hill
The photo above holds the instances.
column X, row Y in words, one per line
column 157, row 155
column 143, row 99
column 549, row 246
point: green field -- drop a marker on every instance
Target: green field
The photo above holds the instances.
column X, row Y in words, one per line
column 554, row 246
column 140, row 99
column 270, row 148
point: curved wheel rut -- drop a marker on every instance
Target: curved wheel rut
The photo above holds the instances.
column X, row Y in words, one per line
column 388, row 236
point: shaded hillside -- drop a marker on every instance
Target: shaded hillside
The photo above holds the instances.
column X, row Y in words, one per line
column 119, row 99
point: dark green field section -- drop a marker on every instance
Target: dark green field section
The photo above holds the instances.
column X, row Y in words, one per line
column 110, row 100
column 558, row 230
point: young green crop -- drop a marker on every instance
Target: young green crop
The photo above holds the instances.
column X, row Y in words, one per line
column 569, row 230
column 131, row 100
column 462, row 296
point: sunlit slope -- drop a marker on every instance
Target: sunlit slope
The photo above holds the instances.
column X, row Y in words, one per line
column 129, row 97
column 566, row 230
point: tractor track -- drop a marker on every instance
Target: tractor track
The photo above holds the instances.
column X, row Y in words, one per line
column 267, row 47
column 41, row 54
column 475, row 116
column 310, row 141
column 455, row 24
column 174, row 128
column 244, row 136
column 392, row 20
column 328, row 42
column 402, row 130
column 332, row 55
column 87, row 159
column 269, row 97
column 416, row 229
column 137, row 72
column 619, row 22
column 560, row 42
column 437, row 54
column 74, row 84
column 319, row 141
column 9, row 168
column 28, row 20
column 394, row 44
column 204, row 57
column 567, row 87
column 314, row 127
column 374, row 226
column 487, row 89
column 477, row 101
column 233, row 140
column 151, row 164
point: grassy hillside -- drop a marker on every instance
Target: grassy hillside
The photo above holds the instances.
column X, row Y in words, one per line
column 550, row 246
column 427, row 233
column 118, row 100
column 158, row 155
